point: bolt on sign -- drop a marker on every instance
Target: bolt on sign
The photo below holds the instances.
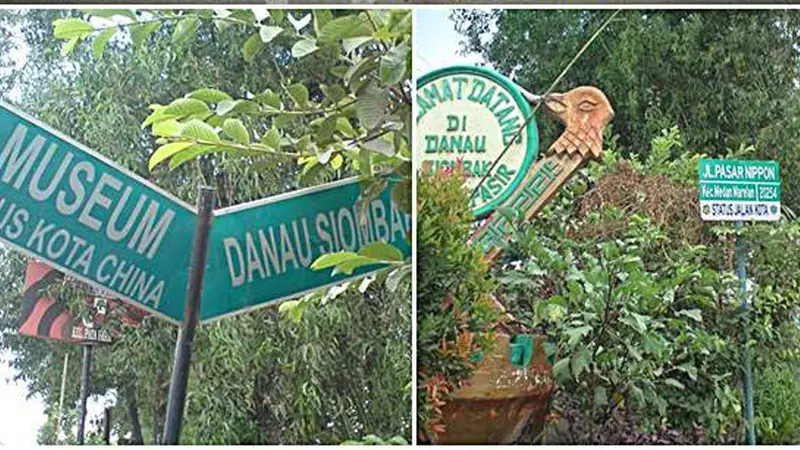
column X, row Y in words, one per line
column 733, row 190
column 261, row 252
column 470, row 115
column 83, row 214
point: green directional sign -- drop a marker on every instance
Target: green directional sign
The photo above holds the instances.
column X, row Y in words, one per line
column 733, row 190
column 81, row 213
column 261, row 252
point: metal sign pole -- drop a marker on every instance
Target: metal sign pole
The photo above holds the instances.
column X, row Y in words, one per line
column 107, row 426
column 183, row 347
column 61, row 397
column 85, row 386
column 741, row 273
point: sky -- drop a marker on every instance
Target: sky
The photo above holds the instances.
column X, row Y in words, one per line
column 437, row 42
column 20, row 418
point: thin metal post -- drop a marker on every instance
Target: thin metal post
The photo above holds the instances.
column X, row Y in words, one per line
column 61, row 396
column 183, row 347
column 107, row 426
column 85, row 386
column 741, row 273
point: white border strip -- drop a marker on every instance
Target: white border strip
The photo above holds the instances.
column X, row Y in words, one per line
column 284, row 196
column 414, row 168
column 286, row 297
column 702, row 182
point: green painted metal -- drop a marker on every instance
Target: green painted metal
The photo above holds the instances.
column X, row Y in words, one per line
column 90, row 218
column 260, row 252
column 733, row 190
column 741, row 273
column 521, row 350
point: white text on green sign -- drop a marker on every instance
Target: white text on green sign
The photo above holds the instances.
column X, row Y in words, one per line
column 732, row 190
column 64, row 204
column 261, row 252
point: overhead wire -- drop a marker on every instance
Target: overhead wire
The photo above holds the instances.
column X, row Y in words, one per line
column 541, row 99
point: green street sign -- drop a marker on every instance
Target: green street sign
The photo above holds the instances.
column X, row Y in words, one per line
column 83, row 214
column 95, row 221
column 469, row 115
column 733, row 190
column 260, row 252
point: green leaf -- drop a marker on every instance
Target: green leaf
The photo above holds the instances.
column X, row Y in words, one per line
column 304, row 47
column 185, row 107
column 561, row 370
column 110, row 13
column 167, row 151
column 269, row 98
column 339, row 71
column 225, row 107
column 299, row 94
column 353, row 25
column 673, row 382
column 277, row 15
column 693, row 314
column 334, row 93
column 72, row 28
column 334, row 259
column 236, row 130
column 140, row 32
column 101, row 40
column 344, row 126
column 272, row 139
column 251, row 47
column 69, row 46
column 576, row 334
column 197, row 129
column 382, row 251
column 689, row 370
column 359, row 69
column 169, row 127
column 337, row 161
column 350, row 44
column 580, row 361
column 269, row 33
column 292, row 309
column 282, row 120
column 401, row 195
column 380, row 145
column 371, row 107
column 321, row 17
column 209, row 95
column 190, row 154
column 185, row 30
column 393, row 65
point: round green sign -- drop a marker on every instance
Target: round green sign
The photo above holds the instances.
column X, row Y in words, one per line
column 469, row 115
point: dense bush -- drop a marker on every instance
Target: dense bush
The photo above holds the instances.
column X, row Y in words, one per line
column 645, row 322
column 453, row 295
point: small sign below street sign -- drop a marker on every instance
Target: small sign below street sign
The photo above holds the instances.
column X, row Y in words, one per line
column 93, row 220
column 261, row 252
column 735, row 190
